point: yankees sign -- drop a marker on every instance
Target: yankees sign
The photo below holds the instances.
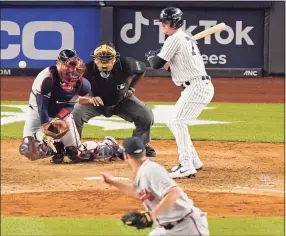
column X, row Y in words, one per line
column 239, row 45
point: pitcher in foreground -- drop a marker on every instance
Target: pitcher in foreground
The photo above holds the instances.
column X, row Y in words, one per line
column 166, row 204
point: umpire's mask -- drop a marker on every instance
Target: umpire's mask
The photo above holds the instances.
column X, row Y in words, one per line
column 105, row 56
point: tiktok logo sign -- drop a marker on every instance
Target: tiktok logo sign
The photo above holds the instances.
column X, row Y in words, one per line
column 139, row 21
column 237, row 34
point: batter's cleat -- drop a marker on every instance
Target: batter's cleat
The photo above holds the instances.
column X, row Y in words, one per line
column 175, row 168
column 58, row 158
column 198, row 165
column 150, row 152
column 183, row 172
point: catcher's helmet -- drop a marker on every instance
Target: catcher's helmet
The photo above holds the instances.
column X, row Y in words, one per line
column 174, row 15
column 66, row 54
column 70, row 68
column 105, row 56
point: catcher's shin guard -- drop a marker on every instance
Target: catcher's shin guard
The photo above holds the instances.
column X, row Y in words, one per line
column 117, row 150
column 90, row 151
column 34, row 150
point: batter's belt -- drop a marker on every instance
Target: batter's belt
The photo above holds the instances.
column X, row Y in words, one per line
column 187, row 83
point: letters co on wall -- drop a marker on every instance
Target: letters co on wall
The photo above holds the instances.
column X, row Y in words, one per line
column 36, row 35
column 239, row 46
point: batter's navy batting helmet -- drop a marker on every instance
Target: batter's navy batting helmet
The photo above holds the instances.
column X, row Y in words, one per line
column 174, row 15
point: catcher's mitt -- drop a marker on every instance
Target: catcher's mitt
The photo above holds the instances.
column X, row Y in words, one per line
column 56, row 128
column 138, row 220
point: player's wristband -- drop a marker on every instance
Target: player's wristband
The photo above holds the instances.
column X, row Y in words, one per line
column 63, row 113
column 131, row 89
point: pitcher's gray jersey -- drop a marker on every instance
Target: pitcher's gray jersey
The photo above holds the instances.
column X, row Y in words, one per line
column 183, row 56
column 152, row 183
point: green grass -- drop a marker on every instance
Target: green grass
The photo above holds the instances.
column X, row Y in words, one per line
column 14, row 103
column 10, row 109
column 250, row 122
column 63, row 226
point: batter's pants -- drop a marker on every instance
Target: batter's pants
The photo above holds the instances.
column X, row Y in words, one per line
column 194, row 98
column 130, row 109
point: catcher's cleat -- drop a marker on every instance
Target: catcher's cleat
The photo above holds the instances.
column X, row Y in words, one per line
column 150, row 152
column 58, row 158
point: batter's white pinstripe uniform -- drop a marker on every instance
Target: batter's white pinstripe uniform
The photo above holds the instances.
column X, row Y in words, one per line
column 187, row 70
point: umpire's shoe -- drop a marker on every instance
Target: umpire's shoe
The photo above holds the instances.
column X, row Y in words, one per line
column 150, row 152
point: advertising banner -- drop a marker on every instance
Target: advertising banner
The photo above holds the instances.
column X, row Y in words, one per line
column 36, row 35
column 240, row 45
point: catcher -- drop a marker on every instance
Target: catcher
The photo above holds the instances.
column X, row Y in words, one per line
column 166, row 205
column 50, row 129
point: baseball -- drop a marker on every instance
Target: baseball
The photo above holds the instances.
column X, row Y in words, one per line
column 22, row 64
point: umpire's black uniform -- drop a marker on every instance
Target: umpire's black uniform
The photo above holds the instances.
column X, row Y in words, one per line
column 112, row 91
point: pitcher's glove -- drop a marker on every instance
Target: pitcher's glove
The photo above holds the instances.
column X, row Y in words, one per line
column 56, row 129
column 138, row 220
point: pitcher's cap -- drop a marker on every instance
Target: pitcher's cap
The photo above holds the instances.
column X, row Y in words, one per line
column 133, row 145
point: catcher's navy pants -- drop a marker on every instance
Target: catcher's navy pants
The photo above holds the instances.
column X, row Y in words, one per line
column 130, row 109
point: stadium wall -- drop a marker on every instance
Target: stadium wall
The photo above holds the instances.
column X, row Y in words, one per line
column 253, row 44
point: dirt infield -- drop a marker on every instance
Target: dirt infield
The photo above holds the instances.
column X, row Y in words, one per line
column 158, row 89
column 238, row 179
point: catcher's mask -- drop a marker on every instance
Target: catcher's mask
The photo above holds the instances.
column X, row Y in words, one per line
column 105, row 56
column 70, row 68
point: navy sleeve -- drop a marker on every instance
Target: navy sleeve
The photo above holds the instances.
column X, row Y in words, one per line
column 65, row 111
column 46, row 86
column 157, row 62
column 133, row 67
column 84, row 87
column 43, row 105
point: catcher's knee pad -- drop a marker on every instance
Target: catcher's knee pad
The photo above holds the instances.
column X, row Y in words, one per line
column 34, row 150
column 112, row 143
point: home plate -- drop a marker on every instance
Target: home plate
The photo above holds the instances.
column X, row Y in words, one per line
column 100, row 178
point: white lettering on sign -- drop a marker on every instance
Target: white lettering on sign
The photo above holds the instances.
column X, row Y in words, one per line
column 5, row 72
column 239, row 35
column 250, row 73
column 28, row 39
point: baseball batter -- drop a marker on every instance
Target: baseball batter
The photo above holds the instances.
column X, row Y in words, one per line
column 169, row 208
column 187, row 68
column 54, row 93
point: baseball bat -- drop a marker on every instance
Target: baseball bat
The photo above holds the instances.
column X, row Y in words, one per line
column 209, row 31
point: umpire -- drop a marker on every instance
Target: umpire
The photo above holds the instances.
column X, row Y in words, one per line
column 111, row 94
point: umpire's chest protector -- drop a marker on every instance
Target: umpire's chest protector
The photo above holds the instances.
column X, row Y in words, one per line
column 111, row 89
